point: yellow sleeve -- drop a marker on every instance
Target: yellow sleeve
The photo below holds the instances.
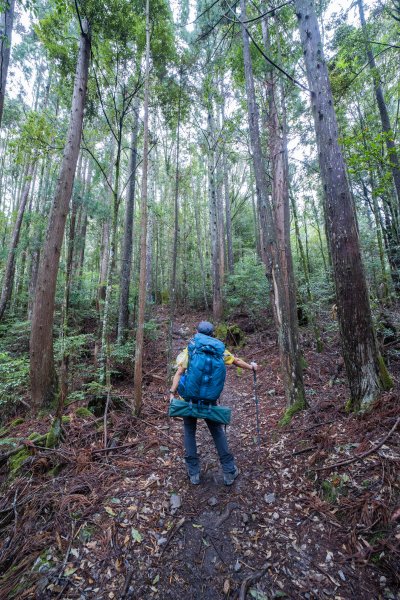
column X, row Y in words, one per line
column 182, row 359
column 228, row 357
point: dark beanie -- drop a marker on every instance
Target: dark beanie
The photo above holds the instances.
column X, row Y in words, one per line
column 205, row 327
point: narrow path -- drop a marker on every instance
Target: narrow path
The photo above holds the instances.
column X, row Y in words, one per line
column 264, row 537
column 127, row 524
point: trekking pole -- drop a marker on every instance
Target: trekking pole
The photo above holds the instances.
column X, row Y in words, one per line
column 257, row 410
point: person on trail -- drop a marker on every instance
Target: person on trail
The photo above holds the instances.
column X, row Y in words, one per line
column 203, row 379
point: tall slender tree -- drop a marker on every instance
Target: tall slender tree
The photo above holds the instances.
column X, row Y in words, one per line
column 42, row 369
column 127, row 244
column 138, row 374
column 366, row 371
column 8, row 278
column 6, row 28
column 276, row 230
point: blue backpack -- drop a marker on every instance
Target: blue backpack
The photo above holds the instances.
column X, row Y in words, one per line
column 205, row 376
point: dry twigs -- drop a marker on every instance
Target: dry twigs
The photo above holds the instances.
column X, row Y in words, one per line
column 364, row 454
column 246, row 583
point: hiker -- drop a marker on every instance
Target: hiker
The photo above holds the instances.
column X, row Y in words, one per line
column 205, row 336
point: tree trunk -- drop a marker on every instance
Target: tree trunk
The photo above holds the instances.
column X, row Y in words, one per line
column 383, row 111
column 366, row 372
column 137, row 390
column 6, row 27
column 283, row 290
column 123, row 316
column 213, row 207
column 275, row 224
column 82, row 234
column 257, row 154
column 199, row 245
column 105, row 241
column 43, row 375
column 172, row 291
column 9, row 272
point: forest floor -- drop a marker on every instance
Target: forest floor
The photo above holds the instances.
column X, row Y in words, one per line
column 79, row 522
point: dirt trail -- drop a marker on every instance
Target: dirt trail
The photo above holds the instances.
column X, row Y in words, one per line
column 128, row 524
column 264, row 535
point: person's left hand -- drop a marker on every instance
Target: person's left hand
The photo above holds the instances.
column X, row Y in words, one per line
column 171, row 396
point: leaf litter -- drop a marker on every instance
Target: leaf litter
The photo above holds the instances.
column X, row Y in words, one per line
column 94, row 524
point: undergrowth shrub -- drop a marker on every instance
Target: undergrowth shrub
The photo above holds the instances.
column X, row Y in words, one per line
column 247, row 289
column 14, row 376
column 14, row 336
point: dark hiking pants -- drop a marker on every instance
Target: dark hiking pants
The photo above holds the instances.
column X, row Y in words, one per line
column 220, row 441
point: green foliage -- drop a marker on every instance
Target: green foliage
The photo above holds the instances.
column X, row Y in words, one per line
column 35, row 133
column 14, row 375
column 334, row 487
column 75, row 346
column 84, row 413
column 231, row 334
column 151, row 330
column 16, row 461
column 122, row 357
column 290, row 412
column 14, row 336
column 247, row 290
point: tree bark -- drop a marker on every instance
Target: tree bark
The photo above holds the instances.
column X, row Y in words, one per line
column 213, row 207
column 264, row 209
column 283, row 291
column 105, row 240
column 42, row 370
column 9, row 272
column 6, row 27
column 123, row 316
column 275, row 233
column 366, row 372
column 225, row 169
column 138, row 373
column 383, row 111
column 199, row 245
column 172, row 291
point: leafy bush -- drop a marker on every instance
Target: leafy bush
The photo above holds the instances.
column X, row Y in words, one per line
column 122, row 357
column 14, row 336
column 247, row 289
column 14, row 375
column 151, row 330
column 74, row 345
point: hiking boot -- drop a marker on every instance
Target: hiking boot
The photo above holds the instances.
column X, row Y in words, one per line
column 195, row 479
column 229, row 478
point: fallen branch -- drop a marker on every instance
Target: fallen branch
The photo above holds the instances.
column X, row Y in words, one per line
column 226, row 514
column 100, row 450
column 364, row 454
column 154, row 376
column 64, row 563
column 303, row 451
column 156, row 427
column 246, row 583
column 172, row 533
column 127, row 583
column 25, row 443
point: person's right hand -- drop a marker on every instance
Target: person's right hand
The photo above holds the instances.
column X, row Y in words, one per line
column 254, row 366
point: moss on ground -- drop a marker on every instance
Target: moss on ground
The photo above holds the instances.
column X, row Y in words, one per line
column 16, row 461
column 16, row 422
column 84, row 413
column 290, row 412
